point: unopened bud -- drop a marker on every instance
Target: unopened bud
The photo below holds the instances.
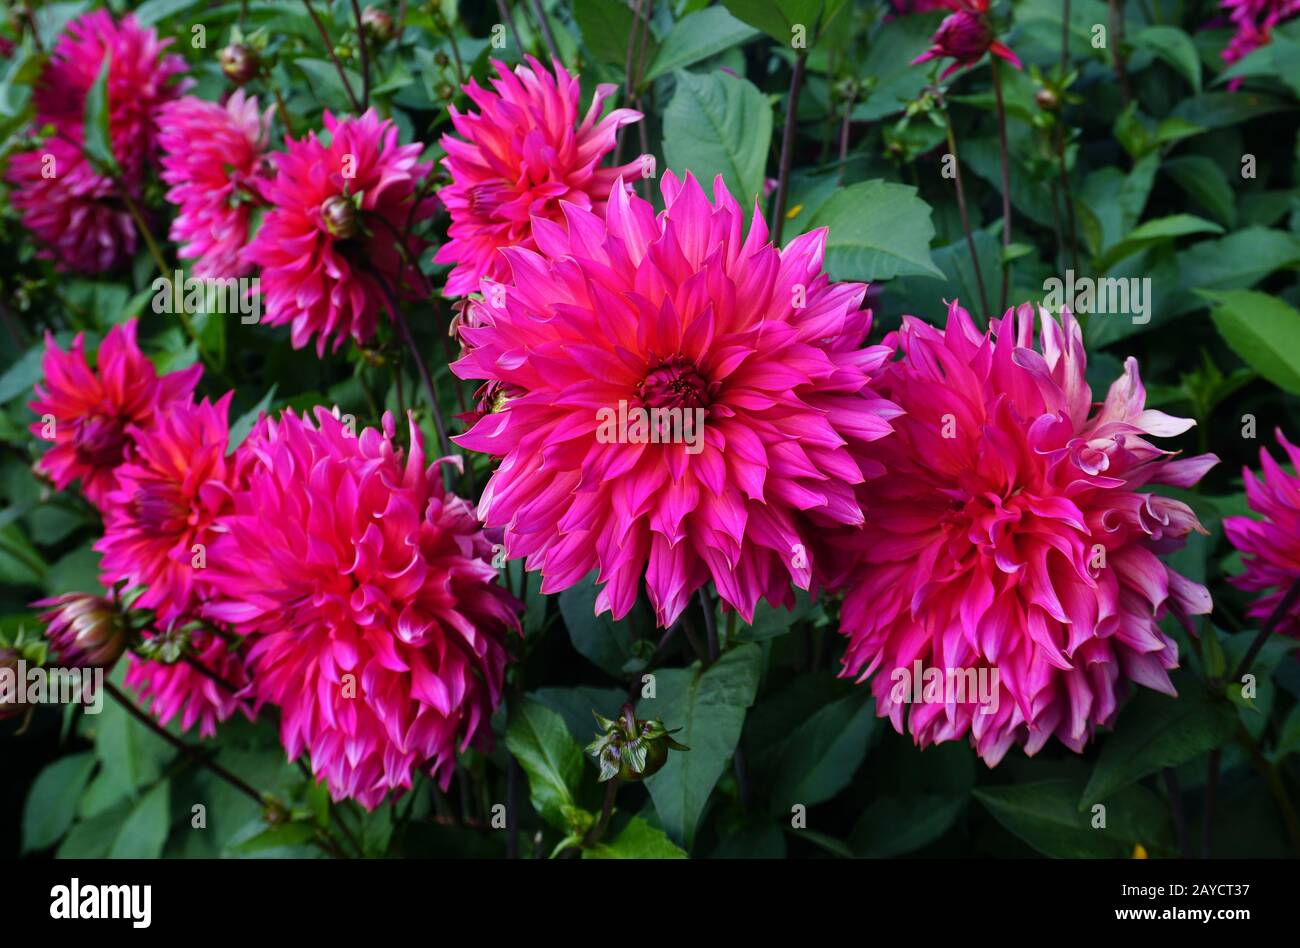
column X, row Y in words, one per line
column 84, row 631
column 1047, row 100
column 377, row 24
column 239, row 63
column 629, row 749
column 340, row 216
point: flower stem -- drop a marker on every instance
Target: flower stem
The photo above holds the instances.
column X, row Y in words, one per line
column 193, row 752
column 329, row 48
column 1006, row 182
column 545, row 27
column 508, row 18
column 1117, row 48
column 1211, row 785
column 1284, row 606
column 965, row 214
column 710, row 624
column 787, row 147
column 365, row 55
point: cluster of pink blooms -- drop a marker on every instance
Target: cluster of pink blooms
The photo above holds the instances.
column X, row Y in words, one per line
column 76, row 209
column 1253, row 21
column 362, row 592
column 960, row 487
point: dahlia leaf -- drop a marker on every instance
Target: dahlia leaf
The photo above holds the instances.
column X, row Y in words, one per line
column 52, row 802
column 637, row 840
column 1175, row 47
column 606, row 642
column 1156, row 231
column 1043, row 815
column 824, row 753
column 97, row 143
column 1154, row 732
column 144, row 832
column 696, row 37
column 779, row 18
column 709, row 706
column 718, row 124
column 1264, row 331
column 607, row 30
column 552, row 759
column 878, row 230
column 154, row 11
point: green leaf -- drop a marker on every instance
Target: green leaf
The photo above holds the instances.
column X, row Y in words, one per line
column 778, row 18
column 1204, row 182
column 709, row 706
column 132, row 756
column 52, row 801
column 154, row 11
column 144, row 831
column 1263, row 330
column 1212, row 110
column 638, row 840
column 243, row 425
column 97, row 143
column 1154, row 732
column 92, row 838
column 1156, row 231
column 824, row 753
column 606, row 29
column 718, row 124
column 274, row 837
column 878, row 230
column 889, row 60
column 552, row 759
column 1175, row 47
column 606, row 642
column 1043, row 814
column 696, row 37
column 324, row 82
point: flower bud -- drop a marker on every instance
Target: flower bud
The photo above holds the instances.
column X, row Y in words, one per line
column 1047, row 100
column 377, row 24
column 9, row 662
column 341, row 218
column 239, row 63
column 83, row 631
column 629, row 749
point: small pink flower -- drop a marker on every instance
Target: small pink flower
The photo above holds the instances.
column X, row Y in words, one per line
column 141, row 78
column 214, row 157
column 523, row 153
column 330, row 246
column 965, row 36
column 87, row 413
column 83, row 631
column 376, row 619
column 158, row 521
column 751, row 345
column 170, row 689
column 1270, row 546
column 1014, row 531
column 75, row 213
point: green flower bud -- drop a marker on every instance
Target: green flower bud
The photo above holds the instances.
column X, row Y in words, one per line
column 629, row 749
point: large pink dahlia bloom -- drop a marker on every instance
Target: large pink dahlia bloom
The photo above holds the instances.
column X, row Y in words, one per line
column 205, row 693
column 1271, row 545
column 1011, row 531
column 75, row 213
column 680, row 311
column 377, row 622
column 141, row 77
column 524, row 152
column 91, row 411
column 330, row 247
column 214, row 158
column 158, row 522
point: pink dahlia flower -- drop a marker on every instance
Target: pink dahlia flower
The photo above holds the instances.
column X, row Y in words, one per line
column 205, row 692
column 158, row 521
column 141, row 78
column 524, row 152
column 376, row 619
column 90, row 411
column 1011, row 532
column 965, row 36
column 75, row 213
column 214, row 158
column 329, row 247
column 1271, row 546
column 761, row 357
